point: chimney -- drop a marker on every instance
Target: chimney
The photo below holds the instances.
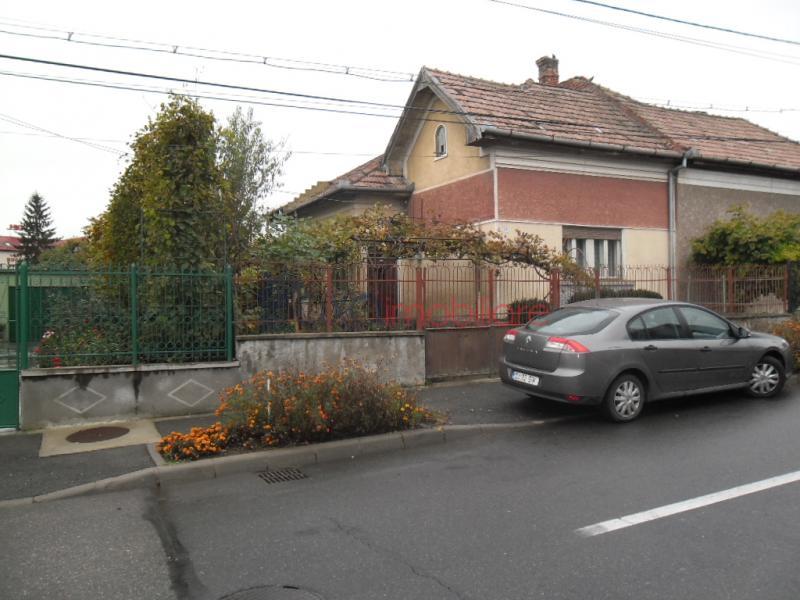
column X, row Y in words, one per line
column 548, row 70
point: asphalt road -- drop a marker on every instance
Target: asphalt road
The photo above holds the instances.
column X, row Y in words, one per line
column 493, row 517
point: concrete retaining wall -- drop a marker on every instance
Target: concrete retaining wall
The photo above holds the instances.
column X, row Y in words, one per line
column 74, row 395
column 397, row 355
column 763, row 323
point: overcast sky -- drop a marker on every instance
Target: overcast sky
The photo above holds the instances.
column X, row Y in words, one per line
column 472, row 37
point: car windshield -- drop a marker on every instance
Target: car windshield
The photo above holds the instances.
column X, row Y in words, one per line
column 572, row 321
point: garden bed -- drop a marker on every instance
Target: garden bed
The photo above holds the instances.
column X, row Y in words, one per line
column 293, row 408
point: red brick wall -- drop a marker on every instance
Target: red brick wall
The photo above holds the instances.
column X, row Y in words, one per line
column 470, row 199
column 581, row 199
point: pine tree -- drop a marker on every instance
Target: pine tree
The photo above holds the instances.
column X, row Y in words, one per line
column 37, row 231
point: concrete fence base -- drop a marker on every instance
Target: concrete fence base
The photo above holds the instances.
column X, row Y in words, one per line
column 67, row 396
column 397, row 355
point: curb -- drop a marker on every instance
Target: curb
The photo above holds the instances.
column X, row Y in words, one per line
column 265, row 460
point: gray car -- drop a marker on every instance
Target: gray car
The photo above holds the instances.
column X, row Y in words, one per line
column 620, row 353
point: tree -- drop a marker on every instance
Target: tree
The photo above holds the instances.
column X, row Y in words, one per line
column 250, row 166
column 745, row 238
column 69, row 254
column 37, row 231
column 167, row 206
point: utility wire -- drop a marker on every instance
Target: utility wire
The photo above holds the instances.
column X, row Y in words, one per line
column 690, row 23
column 364, row 72
column 782, row 58
column 575, row 127
column 107, row 41
column 21, row 123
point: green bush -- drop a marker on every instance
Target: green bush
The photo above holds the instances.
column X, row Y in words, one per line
column 746, row 238
column 81, row 345
column 612, row 293
column 524, row 309
column 292, row 407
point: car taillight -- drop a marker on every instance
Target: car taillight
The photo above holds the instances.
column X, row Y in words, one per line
column 510, row 335
column 565, row 345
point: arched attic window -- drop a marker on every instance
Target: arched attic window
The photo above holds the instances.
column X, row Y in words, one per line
column 441, row 141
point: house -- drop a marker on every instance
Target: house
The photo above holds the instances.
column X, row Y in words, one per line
column 9, row 250
column 610, row 179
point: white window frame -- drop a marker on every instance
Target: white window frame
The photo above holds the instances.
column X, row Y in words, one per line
column 587, row 257
column 443, row 129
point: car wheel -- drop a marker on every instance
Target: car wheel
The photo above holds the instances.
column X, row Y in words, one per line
column 767, row 378
column 625, row 398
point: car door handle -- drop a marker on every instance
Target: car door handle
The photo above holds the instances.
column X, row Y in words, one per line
column 705, row 349
column 650, row 348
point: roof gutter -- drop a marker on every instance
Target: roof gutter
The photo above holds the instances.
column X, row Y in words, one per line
column 553, row 139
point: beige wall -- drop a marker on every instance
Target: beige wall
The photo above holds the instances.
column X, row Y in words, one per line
column 426, row 170
column 645, row 247
column 549, row 232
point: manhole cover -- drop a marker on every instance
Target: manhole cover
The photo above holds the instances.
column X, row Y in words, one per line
column 273, row 592
column 279, row 475
column 97, row 434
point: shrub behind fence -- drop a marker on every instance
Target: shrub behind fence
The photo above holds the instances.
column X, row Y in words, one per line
column 383, row 294
column 123, row 316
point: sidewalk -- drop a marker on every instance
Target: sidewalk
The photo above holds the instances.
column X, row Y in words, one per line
column 25, row 474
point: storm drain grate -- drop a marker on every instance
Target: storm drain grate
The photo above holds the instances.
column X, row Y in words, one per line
column 285, row 474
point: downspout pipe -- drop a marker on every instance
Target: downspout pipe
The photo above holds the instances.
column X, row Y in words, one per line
column 673, row 213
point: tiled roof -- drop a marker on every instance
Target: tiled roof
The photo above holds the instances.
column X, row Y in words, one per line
column 9, row 243
column 720, row 138
column 369, row 176
column 578, row 110
column 554, row 111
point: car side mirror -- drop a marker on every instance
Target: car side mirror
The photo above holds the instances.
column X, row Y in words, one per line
column 742, row 332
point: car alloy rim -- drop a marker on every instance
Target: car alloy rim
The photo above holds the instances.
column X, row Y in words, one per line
column 627, row 399
column 765, row 378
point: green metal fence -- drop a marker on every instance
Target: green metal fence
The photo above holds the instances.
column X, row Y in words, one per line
column 123, row 316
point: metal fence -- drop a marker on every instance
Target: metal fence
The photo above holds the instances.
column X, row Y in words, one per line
column 131, row 316
column 120, row 317
column 383, row 294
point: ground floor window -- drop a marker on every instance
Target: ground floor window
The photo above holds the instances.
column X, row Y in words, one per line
column 594, row 248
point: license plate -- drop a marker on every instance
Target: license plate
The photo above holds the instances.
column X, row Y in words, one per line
column 524, row 378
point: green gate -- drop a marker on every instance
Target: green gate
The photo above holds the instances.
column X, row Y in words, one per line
column 9, row 363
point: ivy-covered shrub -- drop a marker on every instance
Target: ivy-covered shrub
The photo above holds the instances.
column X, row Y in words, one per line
column 612, row 293
column 745, row 238
column 292, row 407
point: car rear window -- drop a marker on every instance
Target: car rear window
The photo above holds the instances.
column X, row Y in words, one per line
column 572, row 321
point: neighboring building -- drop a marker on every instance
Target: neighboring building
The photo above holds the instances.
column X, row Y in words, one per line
column 9, row 249
column 612, row 180
column 353, row 192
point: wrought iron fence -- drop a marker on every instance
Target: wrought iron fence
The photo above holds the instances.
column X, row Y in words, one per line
column 384, row 294
column 739, row 290
column 122, row 316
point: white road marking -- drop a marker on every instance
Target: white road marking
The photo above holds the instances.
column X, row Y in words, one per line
column 687, row 505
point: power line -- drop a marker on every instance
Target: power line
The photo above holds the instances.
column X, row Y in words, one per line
column 579, row 128
column 691, row 23
column 21, row 123
column 773, row 56
column 588, row 128
column 107, row 41
column 402, row 77
column 106, row 70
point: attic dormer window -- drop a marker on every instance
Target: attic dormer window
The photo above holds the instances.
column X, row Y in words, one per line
column 441, row 141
